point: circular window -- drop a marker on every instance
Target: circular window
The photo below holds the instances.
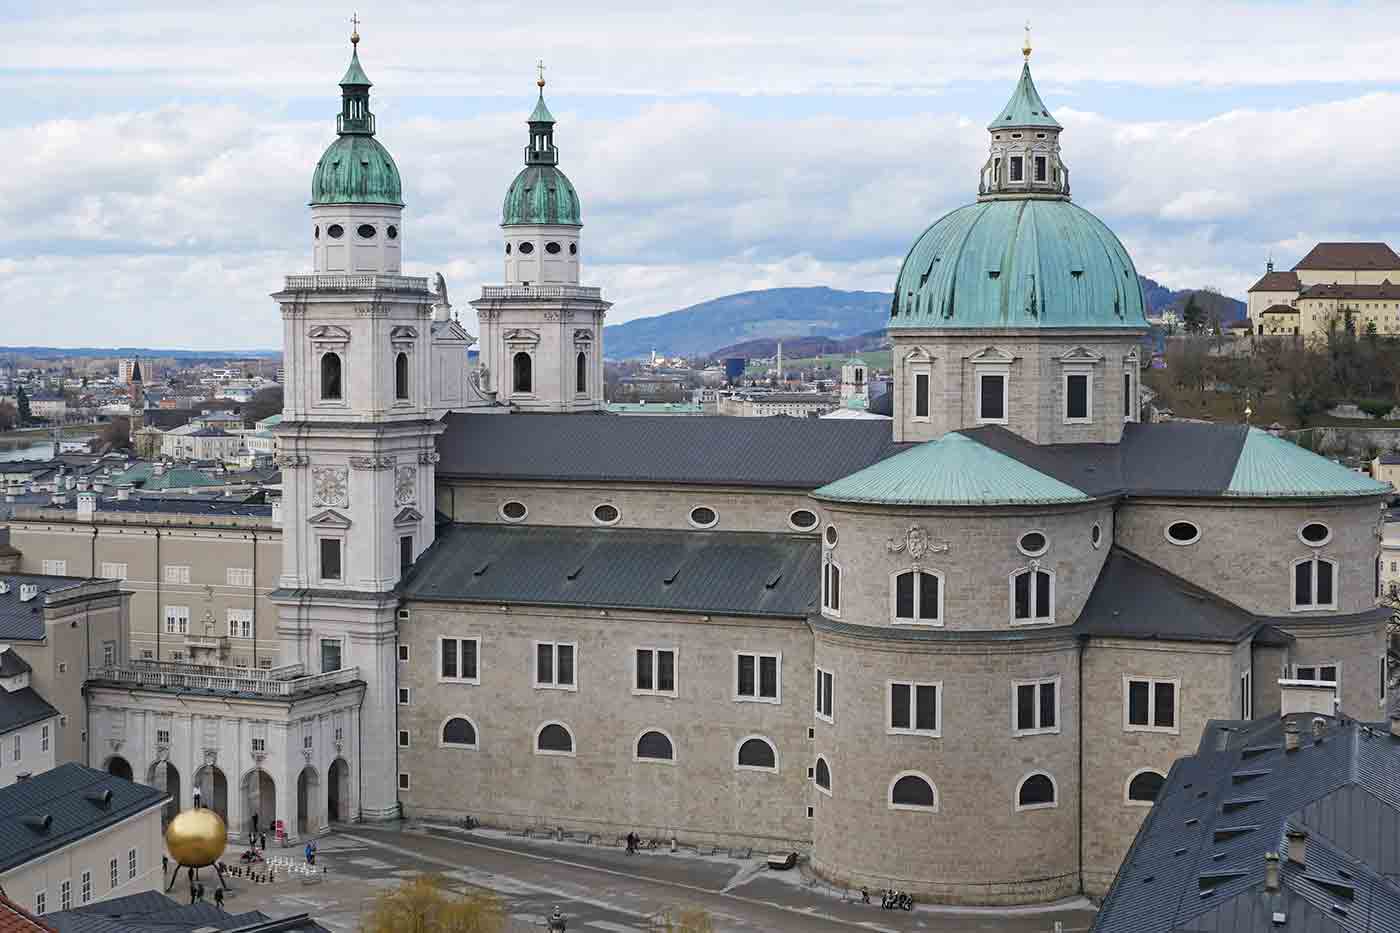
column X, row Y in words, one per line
column 527, row 248
column 335, row 231
column 831, row 536
column 507, row 249
column 552, row 248
column 1096, row 535
column 317, row 234
column 573, row 249
column 803, row 520
column 514, row 511
column 1033, row 543
column 392, row 232
column 1315, row 534
column 1183, row 532
column 704, row 517
column 606, row 514
column 366, row 231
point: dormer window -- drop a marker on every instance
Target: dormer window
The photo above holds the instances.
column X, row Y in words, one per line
column 1017, row 168
column 1040, row 168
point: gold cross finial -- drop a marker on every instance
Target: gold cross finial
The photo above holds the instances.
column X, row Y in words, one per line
column 355, row 29
column 1026, row 46
column 539, row 68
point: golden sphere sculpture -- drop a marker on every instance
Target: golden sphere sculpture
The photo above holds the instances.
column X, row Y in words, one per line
column 196, row 837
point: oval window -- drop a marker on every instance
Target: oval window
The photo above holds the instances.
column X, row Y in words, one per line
column 606, row 514
column 507, row 249
column 335, row 231
column 527, row 248
column 1183, row 532
column 392, row 232
column 703, row 517
column 1033, row 543
column 573, row 249
column 366, row 231
column 831, row 536
column 1315, row 534
column 803, row 520
column 514, row 511
column 317, row 234
column 1096, row 535
column 552, row 248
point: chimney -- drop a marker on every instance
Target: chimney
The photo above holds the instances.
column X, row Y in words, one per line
column 59, row 498
column 123, row 492
column 1270, row 871
column 4, row 587
column 1290, row 736
column 72, row 482
column 159, row 468
column 27, row 591
column 1319, row 729
column 87, row 504
column 82, row 485
column 1298, row 847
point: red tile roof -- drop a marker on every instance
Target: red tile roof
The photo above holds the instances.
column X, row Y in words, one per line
column 1350, row 256
column 1276, row 282
column 15, row 919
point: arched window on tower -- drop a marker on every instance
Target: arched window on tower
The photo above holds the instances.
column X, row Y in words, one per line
column 330, row 378
column 521, row 368
column 581, row 373
column 401, row 377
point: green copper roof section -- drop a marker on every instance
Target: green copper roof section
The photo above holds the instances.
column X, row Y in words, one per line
column 1271, row 467
column 541, row 194
column 541, row 113
column 355, row 75
column 954, row 470
column 356, row 169
column 1025, row 108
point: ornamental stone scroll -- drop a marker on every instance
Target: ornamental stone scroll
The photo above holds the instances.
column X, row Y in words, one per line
column 383, row 462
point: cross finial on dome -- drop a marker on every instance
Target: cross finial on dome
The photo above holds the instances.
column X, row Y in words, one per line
column 355, row 28
column 1026, row 45
column 539, row 69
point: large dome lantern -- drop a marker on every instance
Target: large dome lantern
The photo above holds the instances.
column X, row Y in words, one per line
column 541, row 193
column 356, row 168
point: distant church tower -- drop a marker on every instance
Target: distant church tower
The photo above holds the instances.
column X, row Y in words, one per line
column 137, row 407
column 541, row 332
column 356, row 439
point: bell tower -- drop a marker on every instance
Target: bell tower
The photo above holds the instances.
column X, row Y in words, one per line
column 357, row 437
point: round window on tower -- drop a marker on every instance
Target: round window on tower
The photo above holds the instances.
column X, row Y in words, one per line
column 1033, row 543
column 527, row 248
column 606, row 514
column 507, row 249
column 366, row 231
column 703, row 517
column 573, row 249
column 1183, row 532
column 317, row 234
column 552, row 248
column 392, row 232
column 1315, row 534
column 335, row 231
column 831, row 536
column 514, row 511
column 802, row 520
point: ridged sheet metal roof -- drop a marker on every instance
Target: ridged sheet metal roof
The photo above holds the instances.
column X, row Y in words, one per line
column 1271, row 467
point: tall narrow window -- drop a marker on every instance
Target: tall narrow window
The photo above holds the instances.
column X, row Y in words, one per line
column 921, row 395
column 1016, row 168
column 405, row 553
column 1040, row 168
column 1314, row 581
column 1128, row 397
column 1033, row 596
column 831, row 588
column 581, row 374
column 401, row 377
column 1076, row 396
column 330, row 558
column 918, row 597
column 330, row 378
column 991, row 397
column 522, row 370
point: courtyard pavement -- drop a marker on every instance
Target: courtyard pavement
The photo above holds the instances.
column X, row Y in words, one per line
column 600, row 889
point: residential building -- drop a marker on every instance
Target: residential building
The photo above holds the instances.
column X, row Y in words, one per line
column 764, row 404
column 1348, row 285
column 28, row 723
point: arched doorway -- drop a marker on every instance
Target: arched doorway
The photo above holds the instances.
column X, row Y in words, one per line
column 308, row 801
column 213, row 790
column 260, row 799
column 117, row 766
column 165, row 776
column 338, row 791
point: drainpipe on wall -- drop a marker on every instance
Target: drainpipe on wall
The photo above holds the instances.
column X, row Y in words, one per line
column 1079, row 689
column 254, row 589
column 159, row 608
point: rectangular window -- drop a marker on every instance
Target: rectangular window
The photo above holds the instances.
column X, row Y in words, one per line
column 403, row 738
column 921, row 395
column 1318, row 673
column 56, row 568
column 1016, row 168
column 403, row 780
column 113, row 571
column 306, row 741
column 554, row 665
column 915, row 708
column 457, row 660
column 109, row 653
column 260, row 745
column 655, row 671
column 403, row 654
column 1077, row 397
column 65, row 895
column 1246, row 695
column 916, row 597
column 177, row 620
column 330, row 655
column 1128, row 397
column 41, row 905
column 831, row 588
column 330, row 558
column 113, row 877
column 405, row 696
column 240, row 576
column 1037, row 706
column 162, row 736
column 759, row 677
column 43, row 738
column 1385, row 682
column 991, row 397
column 17, row 754
column 1150, row 705
column 177, row 573
column 826, row 682
column 1040, row 168
column 240, row 623
column 405, row 552
column 85, row 891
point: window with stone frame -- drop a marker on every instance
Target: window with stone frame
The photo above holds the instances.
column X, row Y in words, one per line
column 992, row 397
column 921, row 395
column 332, row 389
column 654, row 671
column 555, row 665
column 1033, row 595
column 1314, row 583
column 1036, row 706
column 458, row 659
column 831, row 588
column 1078, row 407
column 917, row 597
column 913, row 791
column 821, row 775
column 825, row 695
column 756, row 753
column 1036, row 791
column 1150, row 705
column 915, row 708
column 758, row 677
column 655, row 745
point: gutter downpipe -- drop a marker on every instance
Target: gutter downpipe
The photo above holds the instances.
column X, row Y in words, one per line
column 254, row 589
column 159, row 608
column 1079, row 688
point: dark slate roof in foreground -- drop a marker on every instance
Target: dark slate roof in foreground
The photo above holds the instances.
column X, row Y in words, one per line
column 24, row 621
column 797, row 453
column 1197, row 863
column 720, row 573
column 20, row 708
column 194, row 505
column 153, row 911
column 65, row 794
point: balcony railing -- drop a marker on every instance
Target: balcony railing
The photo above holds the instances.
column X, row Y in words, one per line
column 284, row 672
column 541, row 291
column 239, row 680
column 343, row 282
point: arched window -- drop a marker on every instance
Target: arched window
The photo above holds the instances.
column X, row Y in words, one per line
column 913, row 791
column 554, row 738
column 1314, row 583
column 918, row 597
column 330, row 377
column 1033, row 595
column 1144, row 786
column 581, row 373
column 521, row 367
column 655, row 746
column 831, row 588
column 1037, row 791
column 459, row 732
column 401, row 376
column 756, row 753
column 822, row 775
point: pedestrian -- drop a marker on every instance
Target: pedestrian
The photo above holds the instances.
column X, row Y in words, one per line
column 199, row 891
column 263, row 844
column 315, row 850
column 196, row 797
column 191, row 893
column 255, row 822
column 219, row 898
column 164, row 866
column 306, row 851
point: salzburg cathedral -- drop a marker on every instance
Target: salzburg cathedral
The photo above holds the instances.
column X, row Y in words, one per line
column 955, row 652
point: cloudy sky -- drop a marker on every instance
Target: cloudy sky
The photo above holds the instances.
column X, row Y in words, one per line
column 159, row 155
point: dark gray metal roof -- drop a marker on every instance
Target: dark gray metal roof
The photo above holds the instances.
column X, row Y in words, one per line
column 193, row 505
column 151, row 911
column 1198, row 861
column 20, row 708
column 1180, row 458
column 24, row 621
column 795, row 453
column 720, row 573
column 64, row 794
column 11, row 664
column 1093, row 469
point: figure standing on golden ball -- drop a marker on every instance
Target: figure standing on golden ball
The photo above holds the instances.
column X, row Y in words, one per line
column 197, row 837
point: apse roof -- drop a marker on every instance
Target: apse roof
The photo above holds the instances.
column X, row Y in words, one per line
column 1271, row 467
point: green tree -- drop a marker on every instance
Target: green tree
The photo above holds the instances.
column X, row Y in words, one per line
column 22, row 404
column 426, row 904
column 264, row 403
column 1193, row 316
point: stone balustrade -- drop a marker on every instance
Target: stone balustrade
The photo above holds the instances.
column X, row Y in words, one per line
column 541, row 291
column 240, row 680
column 356, row 281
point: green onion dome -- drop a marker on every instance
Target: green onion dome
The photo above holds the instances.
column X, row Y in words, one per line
column 541, row 193
column 356, row 168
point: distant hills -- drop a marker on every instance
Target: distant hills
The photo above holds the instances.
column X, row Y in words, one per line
column 809, row 321
column 47, row 353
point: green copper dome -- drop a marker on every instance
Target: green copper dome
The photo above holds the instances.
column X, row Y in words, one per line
column 356, row 168
column 541, row 193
